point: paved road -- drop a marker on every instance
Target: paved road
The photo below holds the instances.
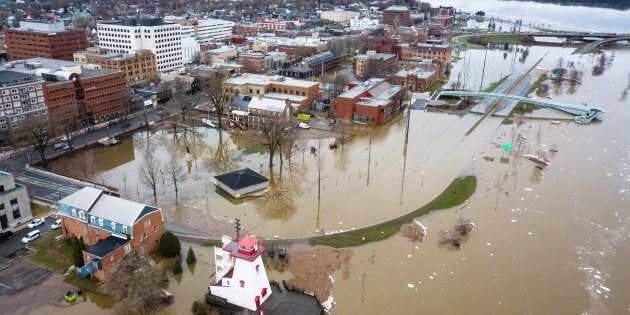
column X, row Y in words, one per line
column 50, row 187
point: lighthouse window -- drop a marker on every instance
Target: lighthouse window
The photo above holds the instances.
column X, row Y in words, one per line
column 257, row 268
column 242, row 283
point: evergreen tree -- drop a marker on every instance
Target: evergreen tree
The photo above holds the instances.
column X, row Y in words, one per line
column 177, row 266
column 77, row 251
column 190, row 257
column 169, row 245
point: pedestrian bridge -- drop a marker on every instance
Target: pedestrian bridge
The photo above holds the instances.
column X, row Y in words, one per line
column 584, row 113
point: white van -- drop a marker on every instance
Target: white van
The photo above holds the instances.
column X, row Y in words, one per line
column 31, row 236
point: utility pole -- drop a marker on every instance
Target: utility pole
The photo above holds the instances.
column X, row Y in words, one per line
column 238, row 229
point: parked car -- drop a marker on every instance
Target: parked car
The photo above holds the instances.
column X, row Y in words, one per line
column 56, row 225
column 5, row 236
column 36, row 222
column 303, row 125
column 31, row 236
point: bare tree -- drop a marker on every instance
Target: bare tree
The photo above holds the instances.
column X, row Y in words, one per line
column 217, row 97
column 274, row 133
column 175, row 172
column 149, row 172
column 185, row 103
column 136, row 285
column 35, row 132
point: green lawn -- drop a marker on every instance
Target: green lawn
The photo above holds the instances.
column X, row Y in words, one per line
column 258, row 148
column 52, row 254
column 456, row 193
column 39, row 210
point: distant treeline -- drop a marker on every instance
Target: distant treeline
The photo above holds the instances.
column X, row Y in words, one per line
column 610, row 4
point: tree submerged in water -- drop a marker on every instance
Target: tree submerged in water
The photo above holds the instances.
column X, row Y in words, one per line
column 458, row 235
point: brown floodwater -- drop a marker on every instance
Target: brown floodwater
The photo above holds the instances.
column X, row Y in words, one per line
column 545, row 241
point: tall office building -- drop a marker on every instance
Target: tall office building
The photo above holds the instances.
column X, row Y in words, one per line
column 131, row 34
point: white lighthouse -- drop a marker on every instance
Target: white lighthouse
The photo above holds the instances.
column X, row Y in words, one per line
column 241, row 278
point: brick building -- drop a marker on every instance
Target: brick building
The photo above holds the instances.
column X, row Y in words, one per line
column 138, row 66
column 110, row 226
column 300, row 93
column 408, row 35
column 77, row 94
column 249, row 29
column 397, row 15
column 325, row 60
column 49, row 39
column 426, row 51
column 416, row 80
column 382, row 44
column 252, row 61
column 373, row 64
column 374, row 102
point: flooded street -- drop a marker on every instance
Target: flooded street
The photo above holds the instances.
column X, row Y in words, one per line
column 545, row 241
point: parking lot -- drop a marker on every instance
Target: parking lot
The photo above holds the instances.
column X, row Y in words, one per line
column 13, row 249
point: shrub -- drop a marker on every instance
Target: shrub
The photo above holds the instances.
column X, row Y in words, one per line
column 169, row 245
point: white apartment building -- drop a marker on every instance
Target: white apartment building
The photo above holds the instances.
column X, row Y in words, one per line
column 363, row 24
column 128, row 35
column 338, row 15
column 204, row 31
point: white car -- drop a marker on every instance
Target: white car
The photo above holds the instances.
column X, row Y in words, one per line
column 36, row 222
column 303, row 125
column 56, row 225
column 31, row 236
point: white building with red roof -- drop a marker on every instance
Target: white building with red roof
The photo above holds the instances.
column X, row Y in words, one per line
column 241, row 278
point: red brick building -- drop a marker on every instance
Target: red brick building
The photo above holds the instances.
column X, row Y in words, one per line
column 249, row 30
column 397, row 15
column 426, row 51
column 138, row 67
column 76, row 94
column 110, row 226
column 382, row 44
column 373, row 102
column 49, row 39
column 252, row 61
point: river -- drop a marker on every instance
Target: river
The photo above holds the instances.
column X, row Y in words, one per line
column 545, row 241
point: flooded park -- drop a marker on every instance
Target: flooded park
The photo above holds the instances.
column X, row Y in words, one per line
column 547, row 239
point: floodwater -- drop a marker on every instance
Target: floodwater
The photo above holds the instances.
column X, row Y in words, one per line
column 545, row 241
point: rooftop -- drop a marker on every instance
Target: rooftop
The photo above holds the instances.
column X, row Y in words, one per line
column 106, row 246
column 420, row 73
column 241, row 178
column 261, row 79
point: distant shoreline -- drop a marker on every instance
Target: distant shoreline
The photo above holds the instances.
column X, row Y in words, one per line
column 621, row 5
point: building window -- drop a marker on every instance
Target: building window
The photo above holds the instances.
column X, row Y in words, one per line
column 82, row 215
column 100, row 222
column 92, row 220
column 124, row 229
column 127, row 248
column 155, row 229
column 113, row 226
column 74, row 212
column 242, row 283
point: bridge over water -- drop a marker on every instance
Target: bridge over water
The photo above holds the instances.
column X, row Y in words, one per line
column 585, row 114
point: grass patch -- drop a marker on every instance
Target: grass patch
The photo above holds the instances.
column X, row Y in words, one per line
column 216, row 243
column 493, row 38
column 456, row 193
column 52, row 254
column 86, row 284
column 437, row 85
column 495, row 84
column 39, row 210
column 257, row 148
